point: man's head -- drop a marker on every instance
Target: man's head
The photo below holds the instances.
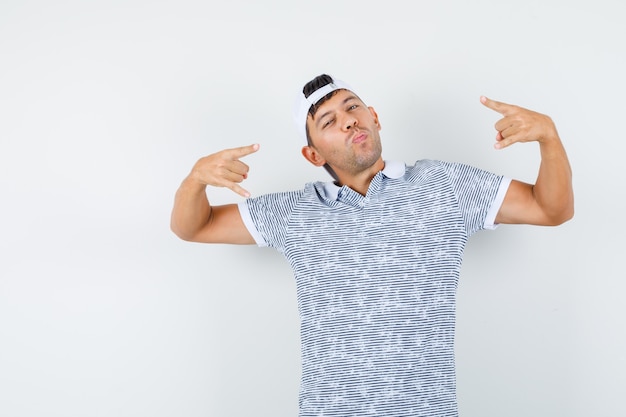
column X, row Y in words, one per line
column 338, row 130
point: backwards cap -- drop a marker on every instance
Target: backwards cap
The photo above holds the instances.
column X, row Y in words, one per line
column 303, row 104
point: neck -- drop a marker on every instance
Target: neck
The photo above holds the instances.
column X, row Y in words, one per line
column 360, row 182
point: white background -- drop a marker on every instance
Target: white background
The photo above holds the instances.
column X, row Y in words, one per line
column 106, row 105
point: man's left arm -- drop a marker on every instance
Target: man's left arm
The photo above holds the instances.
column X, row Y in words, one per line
column 550, row 201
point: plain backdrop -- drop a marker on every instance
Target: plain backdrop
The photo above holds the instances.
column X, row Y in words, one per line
column 106, row 105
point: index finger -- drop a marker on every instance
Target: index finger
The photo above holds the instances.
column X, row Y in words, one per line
column 500, row 107
column 242, row 151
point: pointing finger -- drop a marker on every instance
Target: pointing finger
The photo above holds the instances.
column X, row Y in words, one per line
column 498, row 106
column 236, row 153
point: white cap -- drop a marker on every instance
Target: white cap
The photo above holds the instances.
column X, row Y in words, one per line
column 303, row 104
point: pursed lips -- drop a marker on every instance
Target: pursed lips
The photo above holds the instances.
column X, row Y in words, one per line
column 359, row 137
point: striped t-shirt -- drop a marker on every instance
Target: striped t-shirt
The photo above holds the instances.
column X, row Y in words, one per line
column 376, row 279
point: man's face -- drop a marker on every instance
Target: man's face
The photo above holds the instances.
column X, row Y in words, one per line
column 345, row 134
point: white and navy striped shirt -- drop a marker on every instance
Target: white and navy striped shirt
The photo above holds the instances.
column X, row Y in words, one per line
column 376, row 279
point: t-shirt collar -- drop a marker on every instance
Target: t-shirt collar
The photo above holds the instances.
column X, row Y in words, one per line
column 392, row 170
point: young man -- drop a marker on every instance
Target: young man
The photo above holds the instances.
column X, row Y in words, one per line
column 377, row 253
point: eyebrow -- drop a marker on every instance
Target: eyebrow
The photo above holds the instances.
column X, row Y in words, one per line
column 345, row 100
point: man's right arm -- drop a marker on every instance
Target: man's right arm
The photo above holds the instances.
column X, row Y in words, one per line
column 194, row 219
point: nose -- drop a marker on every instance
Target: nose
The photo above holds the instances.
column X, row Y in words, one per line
column 350, row 122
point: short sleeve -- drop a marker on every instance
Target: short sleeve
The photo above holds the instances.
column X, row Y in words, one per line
column 490, row 220
column 267, row 216
column 477, row 192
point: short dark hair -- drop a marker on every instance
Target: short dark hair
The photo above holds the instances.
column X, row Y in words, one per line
column 314, row 85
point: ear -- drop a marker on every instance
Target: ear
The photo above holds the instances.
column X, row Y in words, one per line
column 312, row 155
column 375, row 116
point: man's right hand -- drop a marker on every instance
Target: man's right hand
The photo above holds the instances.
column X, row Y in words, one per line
column 224, row 169
column 193, row 217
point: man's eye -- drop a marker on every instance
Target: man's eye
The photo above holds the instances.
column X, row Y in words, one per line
column 354, row 106
column 327, row 123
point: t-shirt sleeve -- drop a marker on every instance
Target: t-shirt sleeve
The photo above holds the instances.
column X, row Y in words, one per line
column 490, row 220
column 479, row 194
column 249, row 223
column 267, row 216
